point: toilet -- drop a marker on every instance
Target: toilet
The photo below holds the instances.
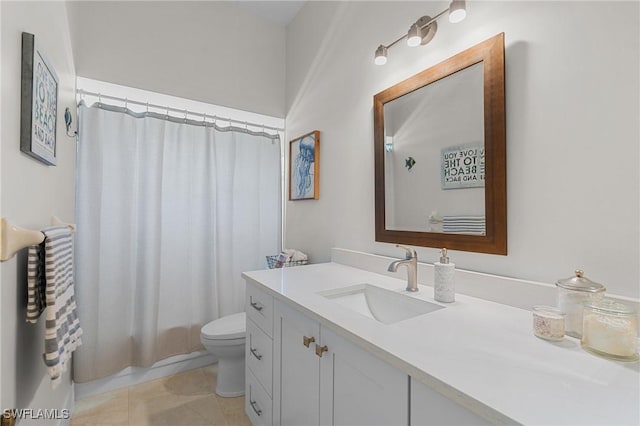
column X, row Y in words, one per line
column 224, row 338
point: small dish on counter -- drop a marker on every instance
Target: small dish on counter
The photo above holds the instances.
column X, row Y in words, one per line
column 548, row 322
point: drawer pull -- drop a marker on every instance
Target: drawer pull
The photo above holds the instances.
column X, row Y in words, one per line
column 256, row 306
column 255, row 353
column 308, row 340
column 321, row 349
column 254, row 405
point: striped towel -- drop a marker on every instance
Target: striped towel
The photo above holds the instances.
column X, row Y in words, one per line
column 36, row 283
column 464, row 224
column 62, row 327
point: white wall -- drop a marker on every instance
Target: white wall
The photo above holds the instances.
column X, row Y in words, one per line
column 572, row 84
column 31, row 193
column 207, row 51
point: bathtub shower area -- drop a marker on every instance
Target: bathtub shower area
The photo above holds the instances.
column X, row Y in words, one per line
column 175, row 198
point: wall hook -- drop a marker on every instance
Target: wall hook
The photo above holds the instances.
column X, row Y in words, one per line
column 68, row 119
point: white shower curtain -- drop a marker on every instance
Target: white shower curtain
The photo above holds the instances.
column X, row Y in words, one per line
column 169, row 214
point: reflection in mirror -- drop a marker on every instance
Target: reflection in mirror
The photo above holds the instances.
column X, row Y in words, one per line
column 440, row 155
column 439, row 130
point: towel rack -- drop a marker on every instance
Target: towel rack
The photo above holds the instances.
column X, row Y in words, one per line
column 13, row 238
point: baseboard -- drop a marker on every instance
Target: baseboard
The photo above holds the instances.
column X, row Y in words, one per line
column 134, row 375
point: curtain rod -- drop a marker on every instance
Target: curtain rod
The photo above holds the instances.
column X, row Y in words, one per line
column 126, row 101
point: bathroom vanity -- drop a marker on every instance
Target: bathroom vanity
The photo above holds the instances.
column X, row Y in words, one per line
column 333, row 344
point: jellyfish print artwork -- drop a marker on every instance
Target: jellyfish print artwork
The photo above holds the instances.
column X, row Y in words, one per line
column 303, row 167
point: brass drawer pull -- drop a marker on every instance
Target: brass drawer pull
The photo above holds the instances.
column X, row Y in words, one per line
column 254, row 405
column 255, row 353
column 321, row 349
column 256, row 306
column 308, row 340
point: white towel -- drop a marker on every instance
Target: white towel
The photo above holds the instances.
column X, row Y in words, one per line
column 295, row 255
column 62, row 327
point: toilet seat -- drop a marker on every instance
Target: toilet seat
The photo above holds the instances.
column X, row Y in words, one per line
column 226, row 328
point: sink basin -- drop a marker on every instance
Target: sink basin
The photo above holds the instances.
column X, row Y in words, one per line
column 380, row 304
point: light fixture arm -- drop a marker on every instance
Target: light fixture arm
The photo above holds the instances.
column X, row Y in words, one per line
column 422, row 27
column 431, row 21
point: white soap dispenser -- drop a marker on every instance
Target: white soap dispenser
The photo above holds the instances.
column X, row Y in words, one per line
column 443, row 288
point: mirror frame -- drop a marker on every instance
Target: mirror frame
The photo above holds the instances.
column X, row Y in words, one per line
column 491, row 53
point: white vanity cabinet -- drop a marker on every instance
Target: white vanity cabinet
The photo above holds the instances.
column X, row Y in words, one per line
column 299, row 372
column 357, row 388
column 428, row 407
column 259, row 356
column 296, row 368
column 321, row 378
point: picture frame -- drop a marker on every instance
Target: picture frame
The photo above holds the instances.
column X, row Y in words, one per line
column 39, row 103
column 304, row 167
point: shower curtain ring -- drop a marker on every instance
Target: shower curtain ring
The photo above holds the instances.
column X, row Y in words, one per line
column 185, row 115
column 147, row 107
column 99, row 99
column 167, row 113
column 126, row 104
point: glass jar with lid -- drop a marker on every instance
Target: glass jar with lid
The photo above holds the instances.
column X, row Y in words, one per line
column 573, row 293
column 610, row 329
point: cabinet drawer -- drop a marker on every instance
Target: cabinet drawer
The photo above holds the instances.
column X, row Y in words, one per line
column 259, row 355
column 257, row 403
column 259, row 308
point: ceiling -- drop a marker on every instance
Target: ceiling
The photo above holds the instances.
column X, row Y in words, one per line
column 280, row 12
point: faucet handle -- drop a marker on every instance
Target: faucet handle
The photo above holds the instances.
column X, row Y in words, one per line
column 410, row 252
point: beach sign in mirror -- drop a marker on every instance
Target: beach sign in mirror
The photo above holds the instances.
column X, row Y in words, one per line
column 462, row 166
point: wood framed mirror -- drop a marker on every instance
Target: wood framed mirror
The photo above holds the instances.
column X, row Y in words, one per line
column 440, row 155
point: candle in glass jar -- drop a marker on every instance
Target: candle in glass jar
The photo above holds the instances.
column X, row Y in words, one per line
column 548, row 322
column 610, row 329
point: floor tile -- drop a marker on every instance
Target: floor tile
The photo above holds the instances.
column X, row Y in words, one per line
column 184, row 399
column 107, row 408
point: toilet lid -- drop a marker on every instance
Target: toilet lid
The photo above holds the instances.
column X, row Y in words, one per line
column 229, row 327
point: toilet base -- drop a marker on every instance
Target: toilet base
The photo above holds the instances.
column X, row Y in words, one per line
column 230, row 381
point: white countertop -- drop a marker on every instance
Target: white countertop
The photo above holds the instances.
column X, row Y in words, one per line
column 481, row 354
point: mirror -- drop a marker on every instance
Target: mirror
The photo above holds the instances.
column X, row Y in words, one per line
column 440, row 159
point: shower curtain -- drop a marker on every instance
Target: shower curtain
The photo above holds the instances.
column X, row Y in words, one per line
column 169, row 214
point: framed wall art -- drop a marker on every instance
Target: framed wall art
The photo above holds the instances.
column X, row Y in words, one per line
column 304, row 167
column 38, row 111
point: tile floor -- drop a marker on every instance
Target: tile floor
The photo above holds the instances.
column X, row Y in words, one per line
column 185, row 399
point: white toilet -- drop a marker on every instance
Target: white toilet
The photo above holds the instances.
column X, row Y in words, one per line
column 225, row 338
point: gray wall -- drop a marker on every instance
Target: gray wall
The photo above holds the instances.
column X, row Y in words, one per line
column 30, row 194
column 572, row 129
column 207, row 51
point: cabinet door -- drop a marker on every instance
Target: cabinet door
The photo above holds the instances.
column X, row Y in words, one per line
column 357, row 388
column 429, row 407
column 296, row 371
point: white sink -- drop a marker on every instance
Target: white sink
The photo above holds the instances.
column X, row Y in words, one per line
column 380, row 304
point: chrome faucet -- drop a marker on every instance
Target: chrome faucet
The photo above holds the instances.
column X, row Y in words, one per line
column 411, row 262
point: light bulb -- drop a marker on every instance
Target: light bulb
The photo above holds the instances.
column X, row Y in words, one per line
column 457, row 11
column 414, row 37
column 381, row 55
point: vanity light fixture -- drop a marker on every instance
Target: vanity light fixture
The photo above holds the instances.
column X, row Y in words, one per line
column 424, row 29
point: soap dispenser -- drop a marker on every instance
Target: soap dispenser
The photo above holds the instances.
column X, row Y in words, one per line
column 443, row 288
